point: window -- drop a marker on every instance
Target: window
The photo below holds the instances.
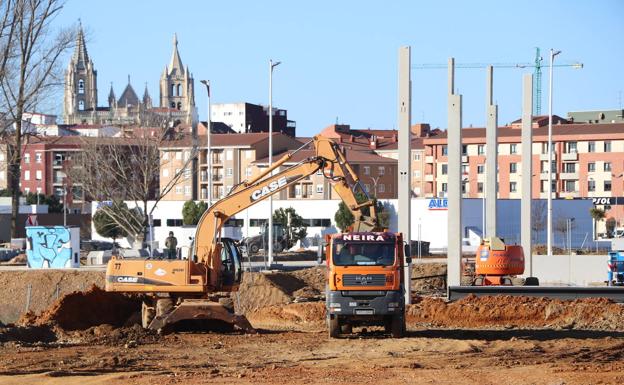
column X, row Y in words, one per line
column 444, row 150
column 248, row 171
column 81, row 105
column 178, row 155
column 591, row 167
column 27, row 190
column 165, row 172
column 480, row 168
column 416, row 156
column 38, row 157
column 569, row 167
column 366, row 170
column 257, row 222
column 544, row 166
column 156, row 222
column 570, row 147
column 381, row 170
column 569, row 186
column 26, row 158
column 464, row 149
column 607, row 146
column 607, row 185
column 174, row 222
column 187, row 173
column 480, row 187
column 444, row 169
column 187, row 154
column 229, row 171
column 187, row 190
column 27, row 175
column 381, row 188
column 591, row 147
column 319, row 188
column 513, row 187
column 513, row 167
column 416, row 173
column 233, row 222
column 591, row 185
column 165, row 155
column 38, row 175
column 81, row 86
column 444, row 187
column 513, row 148
column 179, row 189
column 607, row 166
column 465, row 169
column 463, row 187
column 481, row 149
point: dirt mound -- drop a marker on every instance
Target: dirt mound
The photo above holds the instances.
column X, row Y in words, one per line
column 511, row 311
column 428, row 277
column 310, row 315
column 82, row 310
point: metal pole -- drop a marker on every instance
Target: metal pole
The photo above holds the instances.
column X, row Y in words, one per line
column 270, row 240
column 550, row 154
column 208, row 154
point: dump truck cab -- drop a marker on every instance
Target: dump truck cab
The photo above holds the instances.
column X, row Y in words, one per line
column 365, row 282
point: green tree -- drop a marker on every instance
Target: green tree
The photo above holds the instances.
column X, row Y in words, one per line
column 130, row 221
column 296, row 229
column 344, row 218
column 192, row 212
column 107, row 227
column 54, row 204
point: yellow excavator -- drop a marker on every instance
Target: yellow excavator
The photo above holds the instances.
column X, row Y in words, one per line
column 179, row 290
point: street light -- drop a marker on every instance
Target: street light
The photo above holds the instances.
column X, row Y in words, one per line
column 553, row 53
column 271, row 66
column 208, row 154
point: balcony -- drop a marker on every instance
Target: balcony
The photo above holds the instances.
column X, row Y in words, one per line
column 429, row 159
column 544, row 175
column 569, row 175
column 568, row 194
column 545, row 156
column 203, row 176
column 217, row 178
column 569, row 156
column 464, row 159
column 217, row 159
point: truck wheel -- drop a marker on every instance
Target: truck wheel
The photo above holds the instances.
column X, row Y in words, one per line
column 147, row 314
column 531, row 281
column 334, row 326
column 398, row 326
column 346, row 329
column 254, row 248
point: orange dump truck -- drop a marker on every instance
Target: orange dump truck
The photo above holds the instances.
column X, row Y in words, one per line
column 365, row 281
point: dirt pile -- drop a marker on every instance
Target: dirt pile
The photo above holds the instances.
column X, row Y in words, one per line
column 521, row 312
column 82, row 310
column 297, row 316
column 428, row 278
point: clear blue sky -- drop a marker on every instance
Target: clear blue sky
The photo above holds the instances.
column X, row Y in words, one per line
column 339, row 58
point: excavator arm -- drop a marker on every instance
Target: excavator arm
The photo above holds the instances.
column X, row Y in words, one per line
column 327, row 157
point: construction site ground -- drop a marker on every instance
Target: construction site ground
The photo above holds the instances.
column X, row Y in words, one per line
column 92, row 337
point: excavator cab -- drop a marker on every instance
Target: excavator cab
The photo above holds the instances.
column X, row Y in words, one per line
column 232, row 271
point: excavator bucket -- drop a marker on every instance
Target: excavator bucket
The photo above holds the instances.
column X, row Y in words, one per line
column 200, row 309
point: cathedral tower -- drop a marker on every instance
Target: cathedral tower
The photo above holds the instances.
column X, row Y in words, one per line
column 80, row 84
column 177, row 86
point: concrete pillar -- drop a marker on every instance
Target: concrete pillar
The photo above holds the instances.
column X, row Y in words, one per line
column 404, row 143
column 491, row 155
column 454, row 150
column 527, row 173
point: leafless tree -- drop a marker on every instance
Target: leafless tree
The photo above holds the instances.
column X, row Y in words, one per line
column 30, row 72
column 538, row 219
column 129, row 169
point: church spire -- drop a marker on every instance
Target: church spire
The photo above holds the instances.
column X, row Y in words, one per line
column 147, row 99
column 176, row 63
column 80, row 53
column 112, row 101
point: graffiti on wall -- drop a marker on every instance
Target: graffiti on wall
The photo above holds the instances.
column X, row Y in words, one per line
column 48, row 247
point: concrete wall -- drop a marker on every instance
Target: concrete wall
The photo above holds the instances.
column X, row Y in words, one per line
column 576, row 270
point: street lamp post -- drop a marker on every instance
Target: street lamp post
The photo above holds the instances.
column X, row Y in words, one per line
column 208, row 154
column 553, row 53
column 271, row 66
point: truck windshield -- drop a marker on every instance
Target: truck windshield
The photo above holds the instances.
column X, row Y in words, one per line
column 363, row 254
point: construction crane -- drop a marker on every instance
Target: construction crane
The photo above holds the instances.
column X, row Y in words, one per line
column 537, row 78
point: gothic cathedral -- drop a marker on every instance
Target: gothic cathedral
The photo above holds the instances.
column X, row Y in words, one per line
column 177, row 94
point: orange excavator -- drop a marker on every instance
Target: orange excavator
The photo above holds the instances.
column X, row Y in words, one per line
column 179, row 290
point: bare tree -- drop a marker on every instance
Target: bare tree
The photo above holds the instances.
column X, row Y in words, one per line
column 128, row 169
column 30, row 72
column 538, row 219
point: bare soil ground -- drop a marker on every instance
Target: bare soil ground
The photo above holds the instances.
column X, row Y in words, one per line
column 92, row 337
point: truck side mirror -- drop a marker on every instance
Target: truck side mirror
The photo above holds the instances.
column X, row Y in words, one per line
column 408, row 260
column 408, row 251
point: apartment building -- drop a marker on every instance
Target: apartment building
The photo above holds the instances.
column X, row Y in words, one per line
column 588, row 161
column 249, row 118
column 232, row 157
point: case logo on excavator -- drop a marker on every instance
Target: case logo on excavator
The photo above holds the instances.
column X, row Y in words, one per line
column 266, row 190
column 127, row 279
